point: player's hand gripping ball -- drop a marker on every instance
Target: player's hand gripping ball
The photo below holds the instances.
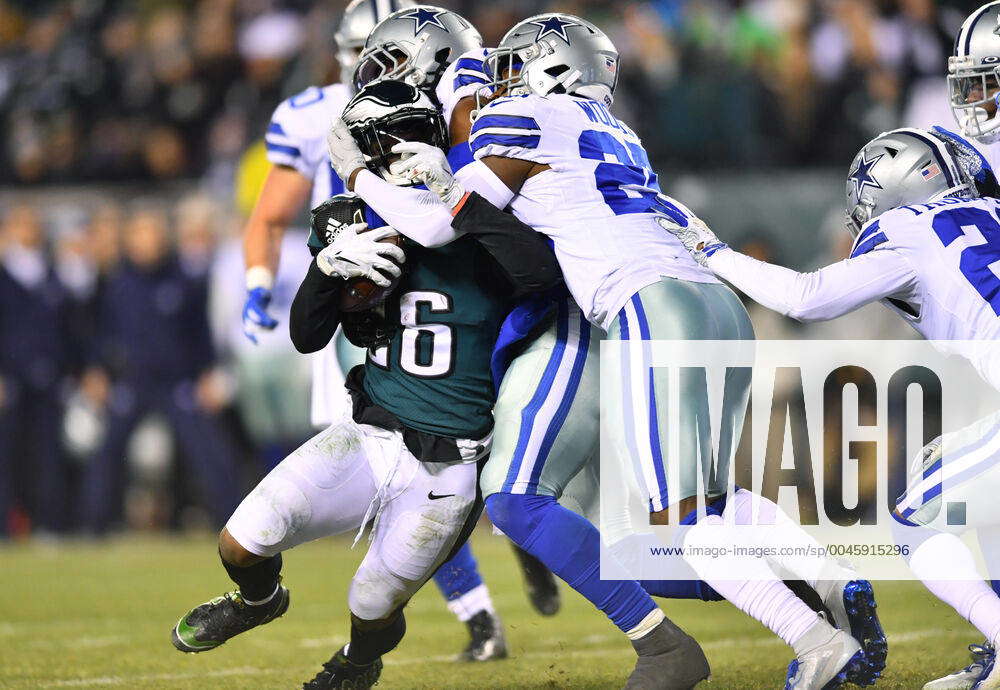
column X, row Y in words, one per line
column 368, row 260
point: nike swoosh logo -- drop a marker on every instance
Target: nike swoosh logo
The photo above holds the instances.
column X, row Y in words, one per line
column 431, row 495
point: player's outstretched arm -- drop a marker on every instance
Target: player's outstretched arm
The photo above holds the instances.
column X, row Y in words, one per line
column 284, row 192
column 820, row 295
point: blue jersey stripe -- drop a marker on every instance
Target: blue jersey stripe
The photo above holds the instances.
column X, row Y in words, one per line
column 867, row 232
column 869, row 244
column 469, row 63
column 466, row 79
column 279, row 148
column 460, row 156
column 524, row 142
column 506, row 121
column 275, row 128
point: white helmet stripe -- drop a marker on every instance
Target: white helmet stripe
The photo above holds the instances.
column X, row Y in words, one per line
column 383, row 8
column 964, row 41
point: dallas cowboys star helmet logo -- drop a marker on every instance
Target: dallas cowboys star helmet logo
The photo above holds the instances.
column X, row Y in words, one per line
column 862, row 176
column 553, row 25
column 423, row 17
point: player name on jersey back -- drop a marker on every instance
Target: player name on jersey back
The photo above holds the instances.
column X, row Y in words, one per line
column 598, row 202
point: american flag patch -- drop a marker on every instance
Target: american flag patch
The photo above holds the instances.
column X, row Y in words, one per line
column 931, row 171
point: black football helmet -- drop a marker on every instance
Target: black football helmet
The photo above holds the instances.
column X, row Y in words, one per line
column 386, row 113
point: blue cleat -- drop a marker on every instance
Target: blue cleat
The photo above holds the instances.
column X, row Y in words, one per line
column 965, row 679
column 990, row 678
column 855, row 612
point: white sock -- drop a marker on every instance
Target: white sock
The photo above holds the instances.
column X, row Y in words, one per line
column 646, row 625
column 762, row 595
column 964, row 591
column 472, row 602
column 776, row 529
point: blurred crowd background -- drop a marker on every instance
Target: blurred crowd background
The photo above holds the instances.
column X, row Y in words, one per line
column 133, row 152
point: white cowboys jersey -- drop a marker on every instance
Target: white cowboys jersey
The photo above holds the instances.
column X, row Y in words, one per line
column 598, row 203
column 953, row 248
column 463, row 78
column 296, row 137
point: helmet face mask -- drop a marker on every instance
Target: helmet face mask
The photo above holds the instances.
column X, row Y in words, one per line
column 414, row 45
column 387, row 113
column 387, row 61
column 974, row 75
column 506, row 65
column 376, row 138
column 975, row 101
column 360, row 17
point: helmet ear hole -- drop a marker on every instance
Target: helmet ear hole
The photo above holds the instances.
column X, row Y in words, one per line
column 555, row 72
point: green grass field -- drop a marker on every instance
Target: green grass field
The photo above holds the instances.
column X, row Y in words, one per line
column 99, row 615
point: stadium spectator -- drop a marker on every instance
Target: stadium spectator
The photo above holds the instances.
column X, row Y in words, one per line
column 105, row 90
column 36, row 358
column 154, row 345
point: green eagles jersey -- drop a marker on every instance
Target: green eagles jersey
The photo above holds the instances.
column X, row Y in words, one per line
column 435, row 373
column 446, row 313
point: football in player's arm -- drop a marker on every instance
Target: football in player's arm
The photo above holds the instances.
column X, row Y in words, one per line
column 520, row 262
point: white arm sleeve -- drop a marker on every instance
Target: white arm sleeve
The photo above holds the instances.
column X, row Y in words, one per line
column 477, row 177
column 415, row 213
column 418, row 213
column 821, row 295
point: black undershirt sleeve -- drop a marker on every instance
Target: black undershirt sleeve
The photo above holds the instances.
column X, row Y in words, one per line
column 523, row 255
column 314, row 317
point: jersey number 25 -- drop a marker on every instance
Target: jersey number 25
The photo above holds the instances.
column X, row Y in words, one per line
column 624, row 176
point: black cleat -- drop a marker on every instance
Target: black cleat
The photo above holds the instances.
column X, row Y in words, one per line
column 209, row 625
column 487, row 641
column 543, row 592
column 669, row 659
column 340, row 673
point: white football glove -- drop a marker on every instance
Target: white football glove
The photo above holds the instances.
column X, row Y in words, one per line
column 345, row 156
column 357, row 253
column 697, row 238
column 428, row 165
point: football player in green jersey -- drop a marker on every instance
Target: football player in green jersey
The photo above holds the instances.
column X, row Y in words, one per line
column 407, row 459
